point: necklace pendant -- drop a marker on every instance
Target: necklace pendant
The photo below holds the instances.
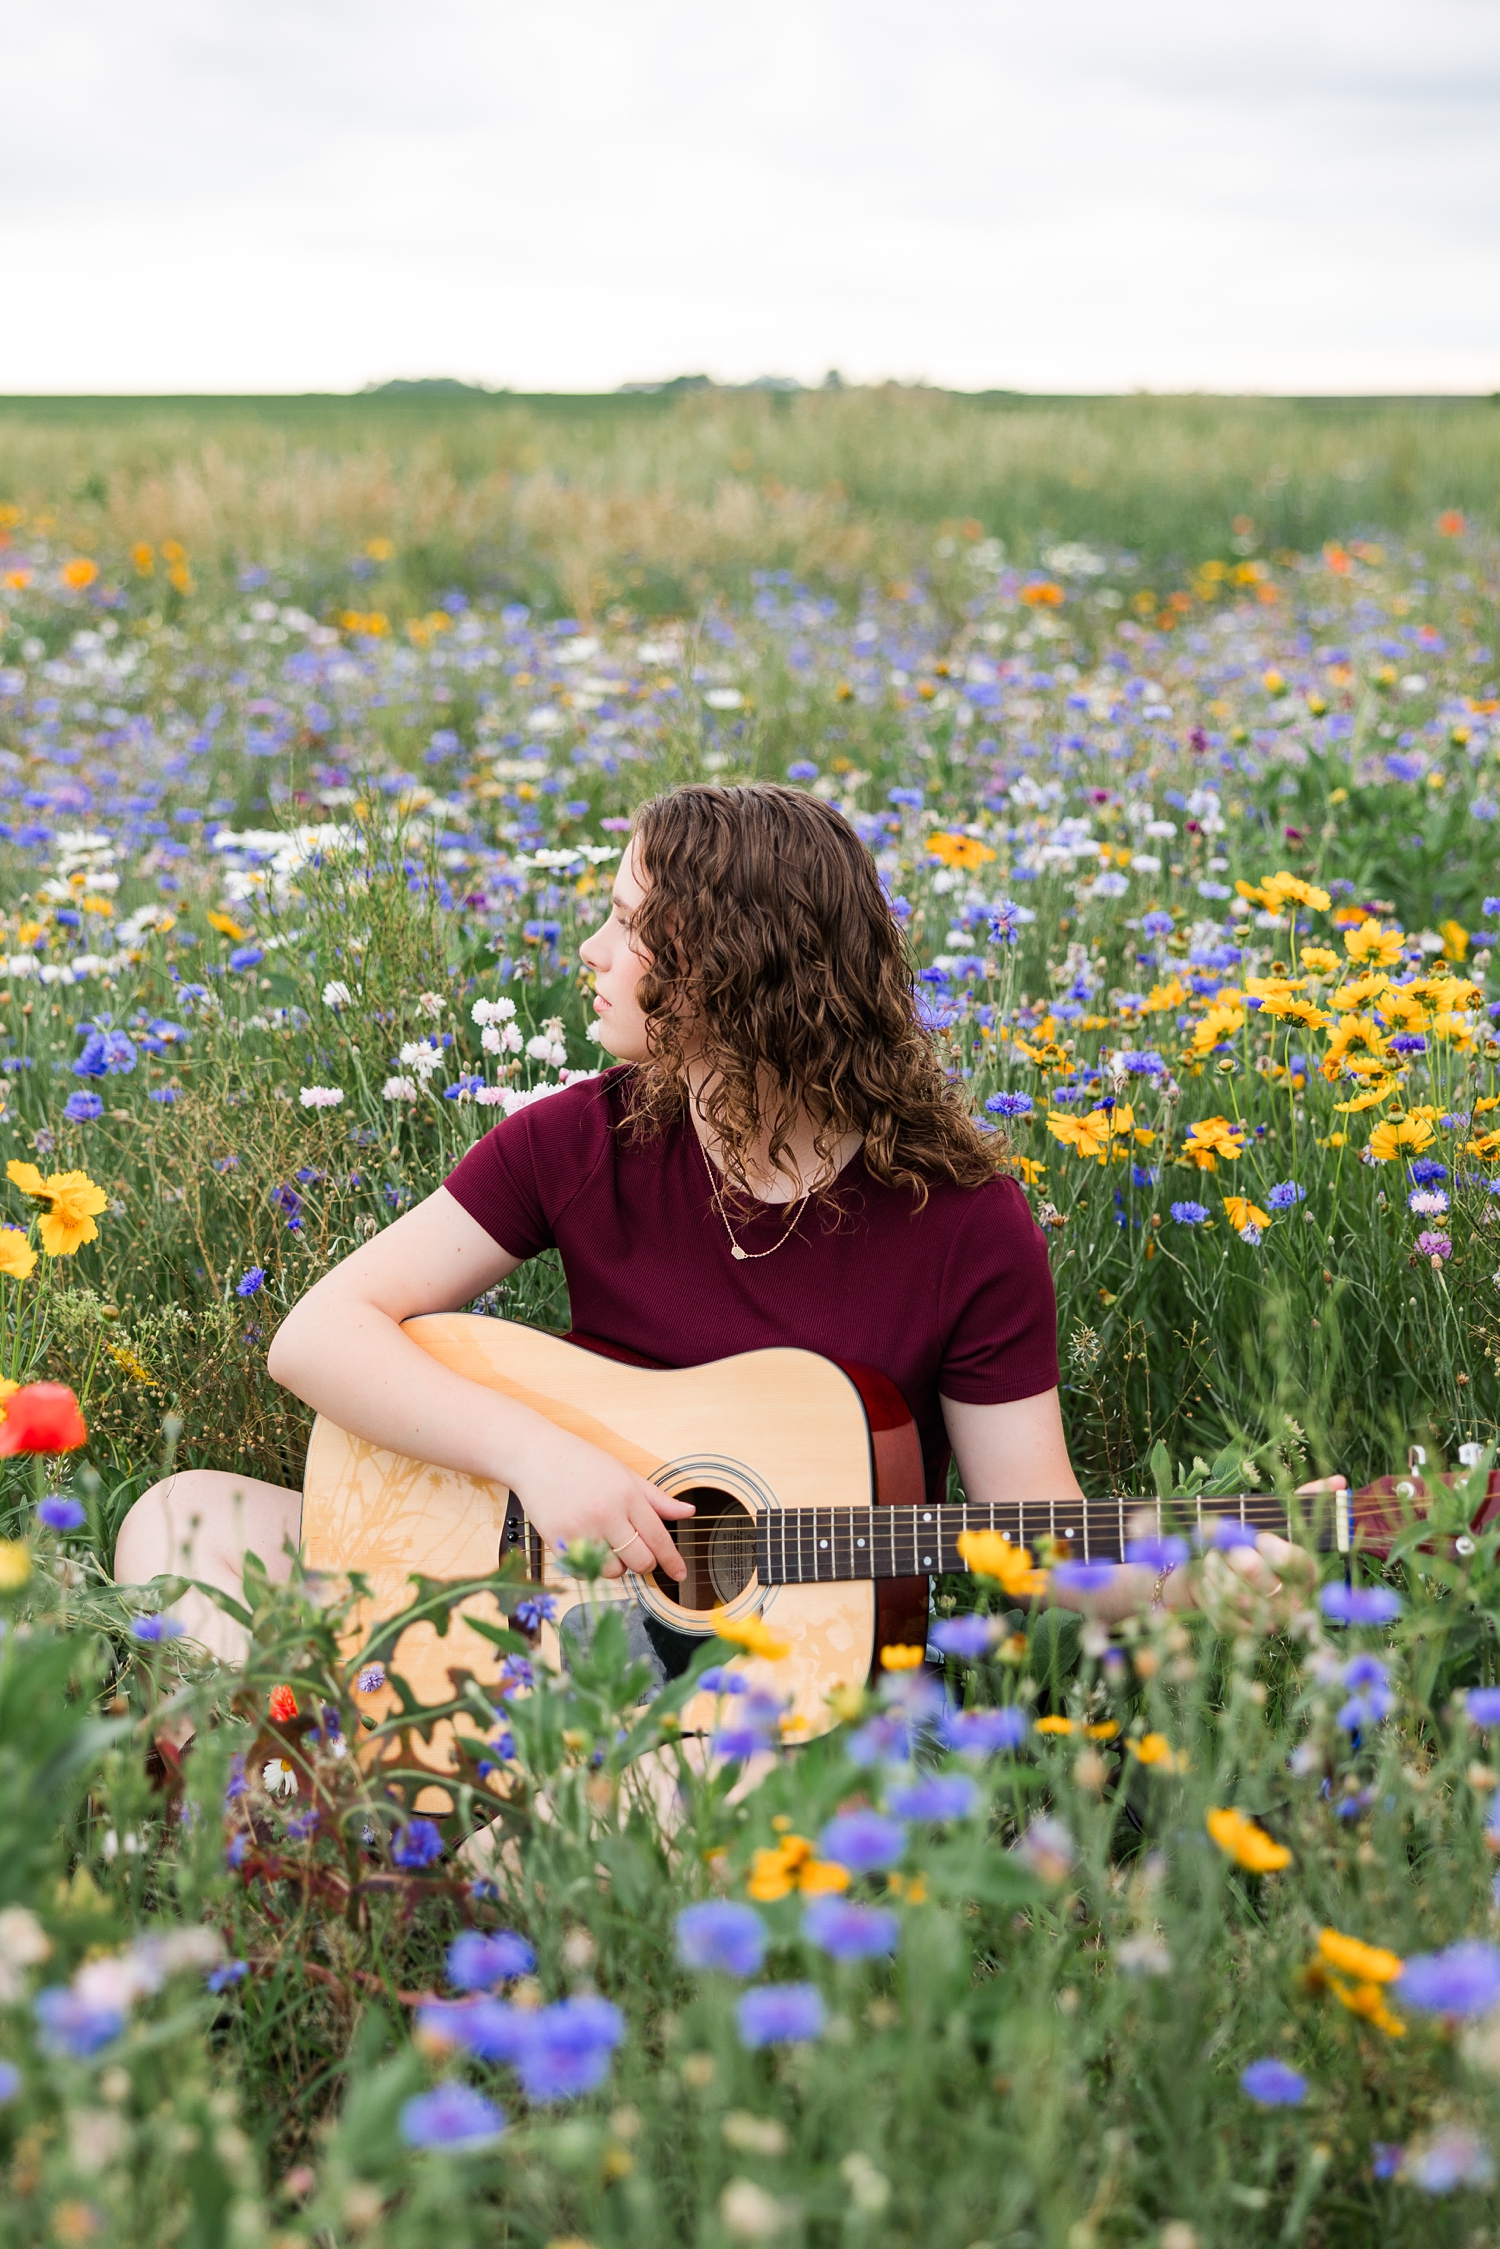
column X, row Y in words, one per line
column 736, row 1251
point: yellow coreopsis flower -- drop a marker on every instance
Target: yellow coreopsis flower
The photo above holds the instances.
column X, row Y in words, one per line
column 1241, row 1212
column 227, row 926
column 1369, row 942
column 1087, row 1136
column 750, row 1634
column 76, row 1203
column 1366, row 1963
column 1155, row 1749
column 964, row 852
column 991, row 1554
column 1368, row 2000
column 1321, row 959
column 899, row 1656
column 1219, row 1023
column 15, row 1564
column 17, row 1257
column 1240, row 1839
column 1388, row 1140
column 1211, row 1138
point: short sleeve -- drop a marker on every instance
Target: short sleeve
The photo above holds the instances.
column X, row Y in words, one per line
column 518, row 1180
column 998, row 1305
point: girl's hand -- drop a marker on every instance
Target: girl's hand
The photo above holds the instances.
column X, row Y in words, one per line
column 572, row 1490
column 1242, row 1576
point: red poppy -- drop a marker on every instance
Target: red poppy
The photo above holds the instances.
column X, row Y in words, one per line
column 283, row 1705
column 42, row 1417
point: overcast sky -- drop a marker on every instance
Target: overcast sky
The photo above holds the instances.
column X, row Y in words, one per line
column 220, row 195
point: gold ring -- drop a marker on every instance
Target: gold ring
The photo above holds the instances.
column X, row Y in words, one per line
column 625, row 1542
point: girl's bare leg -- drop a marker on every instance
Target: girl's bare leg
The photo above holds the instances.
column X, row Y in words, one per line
column 202, row 1523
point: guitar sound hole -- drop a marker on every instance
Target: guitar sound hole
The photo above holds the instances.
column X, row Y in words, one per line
column 718, row 1546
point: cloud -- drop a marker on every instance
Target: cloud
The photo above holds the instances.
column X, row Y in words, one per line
column 197, row 195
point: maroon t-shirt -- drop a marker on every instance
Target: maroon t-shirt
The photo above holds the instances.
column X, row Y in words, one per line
column 953, row 1299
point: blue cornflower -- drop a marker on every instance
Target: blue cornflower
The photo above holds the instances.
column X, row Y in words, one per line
column 1083, row 1577
column 451, row 2116
column 10, row 2082
column 1408, row 1042
column 532, row 1613
column 1274, row 2083
column 1190, row 1214
column 971, row 1635
column 1286, row 1195
column 1490, row 908
column 157, row 1628
column 60, row 1513
column 1010, row 1105
column 936, row 1796
column 721, row 1934
column 463, row 1087
column 167, row 1093
column 911, row 798
column 846, row 1930
column 1156, row 925
column 105, row 1054
column 71, row 2024
column 232, row 1972
column 1359, row 1604
column 478, row 1960
column 802, row 769
column 418, row 1844
column 247, row 956
column 778, row 2014
column 1425, row 1171
column 865, row 1842
column 569, row 2049
column 1227, row 1533
column 1482, row 1706
column 1463, row 1980
column 251, row 1281
column 976, row 1733
column 1005, row 922
column 1157, row 1553
column 83, row 1108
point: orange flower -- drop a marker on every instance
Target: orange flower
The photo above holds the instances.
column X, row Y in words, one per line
column 965, row 852
column 1155, row 1749
column 1452, row 523
column 1056, row 1725
column 282, row 1706
column 897, row 1657
column 1239, row 1838
column 78, row 573
column 1211, row 1138
column 1367, row 1963
column 991, row 1554
column 227, row 926
column 1242, row 1213
column 749, row 1633
column 143, row 555
column 1046, row 595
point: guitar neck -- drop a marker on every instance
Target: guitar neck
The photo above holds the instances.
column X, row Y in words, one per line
column 821, row 1545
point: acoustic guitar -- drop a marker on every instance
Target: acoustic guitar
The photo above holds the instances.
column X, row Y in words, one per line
column 811, row 1511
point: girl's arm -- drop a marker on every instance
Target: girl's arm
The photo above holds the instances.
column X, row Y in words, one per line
column 341, row 1350
column 1019, row 1449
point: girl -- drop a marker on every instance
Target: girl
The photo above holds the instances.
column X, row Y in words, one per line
column 776, row 1158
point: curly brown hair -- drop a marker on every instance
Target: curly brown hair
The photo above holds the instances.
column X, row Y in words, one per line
column 775, row 957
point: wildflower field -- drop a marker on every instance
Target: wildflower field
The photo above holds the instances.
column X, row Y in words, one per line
column 1178, row 746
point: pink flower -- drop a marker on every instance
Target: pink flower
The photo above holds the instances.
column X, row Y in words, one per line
column 1434, row 1245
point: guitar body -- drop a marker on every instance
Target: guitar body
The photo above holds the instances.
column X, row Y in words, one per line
column 748, row 1439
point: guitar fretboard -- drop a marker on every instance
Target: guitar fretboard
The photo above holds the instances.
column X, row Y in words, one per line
column 812, row 1545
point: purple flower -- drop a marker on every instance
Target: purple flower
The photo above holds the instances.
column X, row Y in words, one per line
column 419, row 1843
column 371, row 1678
column 231, row 1972
column 1359, row 1604
column 60, row 1513
column 1424, row 1171
column 157, row 1628
column 478, row 1960
column 491, row 2029
column 978, row 1733
column 1157, row 1553
column 882, row 1741
column 532, row 1613
column 1463, row 1980
column 1227, row 1533
column 910, row 798
column 1083, row 1577
column 246, row 956
column 778, row 2014
column 865, row 1842
column 846, row 1930
column 1365, row 1671
column 1010, row 1105
column 83, row 1108
column 1453, row 2157
column 1190, row 1214
column 71, row 2024
column 10, row 2083
column 250, row 1281
column 936, row 1796
column 802, row 769
column 105, row 1054
column 452, row 2116
column 720, row 1934
column 1285, row 1195
column 971, row 1635
column 1434, row 1245
column 1482, row 1706
column 1274, row 2083
column 1387, row 2158
column 1364, row 1710
column 1005, row 927
column 1156, row 925
column 569, row 2049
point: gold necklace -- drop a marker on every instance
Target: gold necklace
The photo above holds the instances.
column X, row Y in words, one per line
column 747, row 1256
